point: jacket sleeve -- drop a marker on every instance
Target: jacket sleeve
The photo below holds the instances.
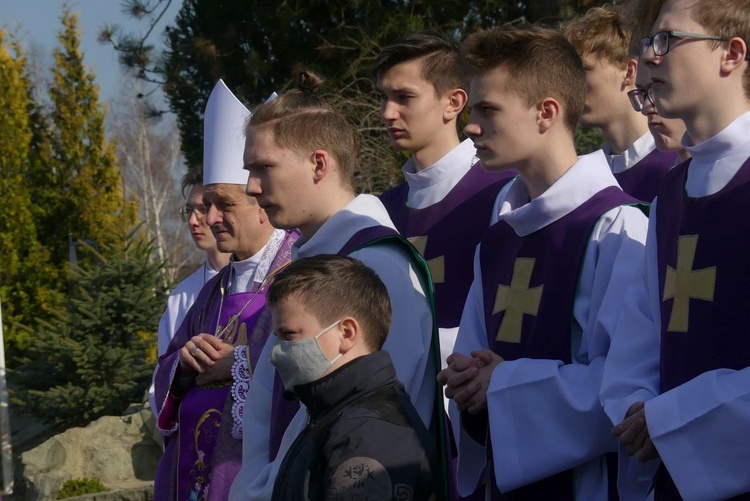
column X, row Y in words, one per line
column 375, row 459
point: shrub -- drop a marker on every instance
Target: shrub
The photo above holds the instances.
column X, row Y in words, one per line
column 80, row 486
column 92, row 360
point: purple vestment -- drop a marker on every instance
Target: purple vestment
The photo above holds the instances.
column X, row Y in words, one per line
column 551, row 259
column 706, row 327
column 642, row 180
column 201, row 456
column 453, row 228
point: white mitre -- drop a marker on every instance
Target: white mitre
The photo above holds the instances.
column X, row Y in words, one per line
column 224, row 138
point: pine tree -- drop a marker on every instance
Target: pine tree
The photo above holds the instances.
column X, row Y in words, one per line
column 25, row 272
column 94, row 359
column 256, row 48
column 88, row 194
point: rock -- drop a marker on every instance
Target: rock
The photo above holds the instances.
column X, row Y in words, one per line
column 114, row 450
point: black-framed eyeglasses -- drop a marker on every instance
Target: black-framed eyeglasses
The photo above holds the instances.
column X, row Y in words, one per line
column 660, row 41
column 189, row 210
column 638, row 98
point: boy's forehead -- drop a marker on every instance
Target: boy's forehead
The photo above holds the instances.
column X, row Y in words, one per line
column 403, row 74
column 676, row 15
column 488, row 82
column 260, row 143
column 290, row 312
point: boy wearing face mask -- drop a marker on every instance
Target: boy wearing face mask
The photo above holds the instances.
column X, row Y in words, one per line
column 363, row 436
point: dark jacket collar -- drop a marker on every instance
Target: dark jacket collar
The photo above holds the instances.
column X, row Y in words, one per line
column 362, row 375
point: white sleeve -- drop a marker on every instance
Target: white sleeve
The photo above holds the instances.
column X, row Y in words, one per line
column 525, row 394
column 631, row 371
column 167, row 326
column 163, row 338
column 256, row 478
column 472, row 336
column 410, row 336
column 698, row 429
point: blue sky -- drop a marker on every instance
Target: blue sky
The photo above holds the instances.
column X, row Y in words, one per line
column 36, row 23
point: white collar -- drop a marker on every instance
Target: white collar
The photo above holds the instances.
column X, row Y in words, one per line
column 431, row 185
column 243, row 272
column 363, row 212
column 717, row 160
column 636, row 152
column 588, row 176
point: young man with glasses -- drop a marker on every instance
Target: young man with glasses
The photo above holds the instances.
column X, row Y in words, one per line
column 184, row 294
column 677, row 381
column 667, row 132
column 602, row 39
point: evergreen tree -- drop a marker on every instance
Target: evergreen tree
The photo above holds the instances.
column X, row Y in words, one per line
column 85, row 187
column 95, row 358
column 588, row 139
column 25, row 272
column 255, row 47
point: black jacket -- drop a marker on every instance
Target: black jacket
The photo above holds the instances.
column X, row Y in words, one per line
column 363, row 440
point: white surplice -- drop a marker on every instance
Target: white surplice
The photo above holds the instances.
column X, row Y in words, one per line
column 544, row 416
column 699, row 427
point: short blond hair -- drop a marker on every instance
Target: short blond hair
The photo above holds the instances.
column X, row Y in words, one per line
column 540, row 61
column 302, row 122
column 602, row 32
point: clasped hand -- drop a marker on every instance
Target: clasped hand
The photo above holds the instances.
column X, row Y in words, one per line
column 208, row 358
column 633, row 434
column 466, row 379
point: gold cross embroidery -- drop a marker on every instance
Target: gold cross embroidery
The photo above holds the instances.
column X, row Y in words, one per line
column 517, row 300
column 684, row 283
column 436, row 265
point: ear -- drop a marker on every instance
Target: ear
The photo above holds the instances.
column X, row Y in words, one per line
column 351, row 332
column 735, row 56
column 457, row 99
column 631, row 71
column 262, row 216
column 549, row 112
column 322, row 165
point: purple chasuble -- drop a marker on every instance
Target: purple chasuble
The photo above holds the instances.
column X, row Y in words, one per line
column 447, row 234
column 537, row 276
column 202, row 458
column 642, row 180
column 702, row 246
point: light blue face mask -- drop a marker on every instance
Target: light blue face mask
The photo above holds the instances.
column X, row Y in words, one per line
column 301, row 361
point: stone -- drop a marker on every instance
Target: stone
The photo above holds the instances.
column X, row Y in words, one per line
column 114, row 449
